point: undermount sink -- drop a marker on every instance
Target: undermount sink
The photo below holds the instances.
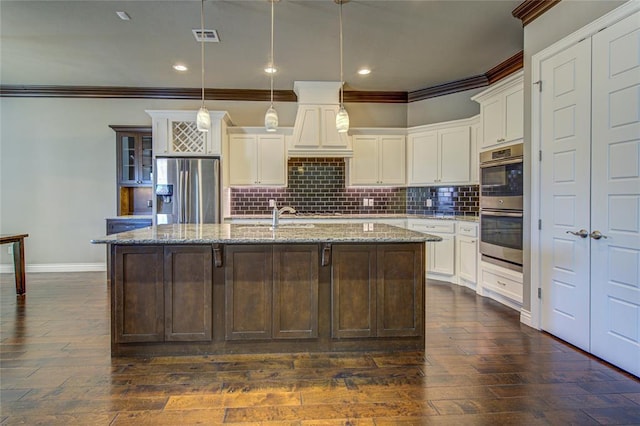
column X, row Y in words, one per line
column 280, row 226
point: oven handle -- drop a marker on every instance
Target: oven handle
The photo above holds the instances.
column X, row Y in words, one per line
column 500, row 213
column 501, row 163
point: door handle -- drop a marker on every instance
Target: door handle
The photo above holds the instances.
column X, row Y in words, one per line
column 596, row 235
column 583, row 233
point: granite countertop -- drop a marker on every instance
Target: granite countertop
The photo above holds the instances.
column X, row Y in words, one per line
column 285, row 233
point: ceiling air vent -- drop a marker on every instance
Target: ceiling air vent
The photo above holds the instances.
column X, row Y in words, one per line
column 206, row 35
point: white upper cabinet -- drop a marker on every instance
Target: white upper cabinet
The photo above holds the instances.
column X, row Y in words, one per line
column 256, row 159
column 502, row 112
column 440, row 154
column 175, row 133
column 378, row 160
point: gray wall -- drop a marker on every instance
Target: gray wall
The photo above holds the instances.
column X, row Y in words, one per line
column 558, row 22
column 443, row 108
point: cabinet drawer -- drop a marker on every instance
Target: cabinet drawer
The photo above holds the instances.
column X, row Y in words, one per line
column 469, row 230
column 433, row 226
column 507, row 286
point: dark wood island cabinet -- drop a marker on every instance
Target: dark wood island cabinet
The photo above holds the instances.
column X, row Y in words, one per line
column 175, row 291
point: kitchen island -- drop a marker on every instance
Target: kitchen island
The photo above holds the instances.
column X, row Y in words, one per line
column 206, row 289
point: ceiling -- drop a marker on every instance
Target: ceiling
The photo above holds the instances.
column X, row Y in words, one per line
column 409, row 45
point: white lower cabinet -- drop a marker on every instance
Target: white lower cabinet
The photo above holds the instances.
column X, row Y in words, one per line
column 441, row 254
column 467, row 254
column 501, row 284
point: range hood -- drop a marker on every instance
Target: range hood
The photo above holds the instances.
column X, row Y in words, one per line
column 314, row 131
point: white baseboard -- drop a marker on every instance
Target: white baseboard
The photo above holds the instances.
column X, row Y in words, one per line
column 525, row 318
column 57, row 267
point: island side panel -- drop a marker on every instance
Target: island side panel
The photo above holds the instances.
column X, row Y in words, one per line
column 248, row 291
column 188, row 286
column 353, row 286
column 137, row 294
column 295, row 291
column 400, row 280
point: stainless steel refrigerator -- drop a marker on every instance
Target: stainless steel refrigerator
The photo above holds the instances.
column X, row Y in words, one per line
column 187, row 190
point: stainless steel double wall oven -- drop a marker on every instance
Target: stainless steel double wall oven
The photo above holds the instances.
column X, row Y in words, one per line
column 501, row 204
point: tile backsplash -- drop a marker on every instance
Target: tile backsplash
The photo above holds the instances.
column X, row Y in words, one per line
column 318, row 185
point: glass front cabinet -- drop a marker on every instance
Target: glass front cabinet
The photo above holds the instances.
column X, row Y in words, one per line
column 134, row 155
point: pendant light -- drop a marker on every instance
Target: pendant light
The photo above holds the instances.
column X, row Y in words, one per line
column 203, row 119
column 342, row 118
column 271, row 117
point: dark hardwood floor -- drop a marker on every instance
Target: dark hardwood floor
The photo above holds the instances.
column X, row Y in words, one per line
column 481, row 367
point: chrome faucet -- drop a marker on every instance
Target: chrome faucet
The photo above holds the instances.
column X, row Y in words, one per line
column 277, row 213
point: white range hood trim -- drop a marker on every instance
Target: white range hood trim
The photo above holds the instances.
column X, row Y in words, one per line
column 314, row 132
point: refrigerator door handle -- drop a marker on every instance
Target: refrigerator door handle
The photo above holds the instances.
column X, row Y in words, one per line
column 187, row 196
column 180, row 196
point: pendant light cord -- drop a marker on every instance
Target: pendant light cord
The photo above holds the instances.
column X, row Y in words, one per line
column 341, row 78
column 202, row 47
column 272, row 64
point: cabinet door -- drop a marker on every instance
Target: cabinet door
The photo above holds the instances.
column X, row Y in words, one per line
column 423, row 158
column 128, row 153
column 399, row 294
column 295, row 278
column 307, row 127
column 248, row 291
column 364, row 164
column 467, row 258
column 271, row 160
column 145, row 155
column 514, row 114
column 353, row 291
column 138, row 296
column 492, row 121
column 243, row 160
column 188, row 282
column 329, row 136
column 392, row 155
column 455, row 154
column 443, row 253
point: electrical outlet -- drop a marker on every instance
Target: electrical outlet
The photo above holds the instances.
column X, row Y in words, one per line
column 10, row 249
column 272, row 203
column 371, row 202
column 428, row 202
column 365, row 201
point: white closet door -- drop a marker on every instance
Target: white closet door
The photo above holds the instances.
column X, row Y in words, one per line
column 565, row 113
column 615, row 261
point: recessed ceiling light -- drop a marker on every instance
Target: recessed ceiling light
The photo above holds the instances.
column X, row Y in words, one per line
column 364, row 71
column 271, row 70
column 180, row 67
column 123, row 15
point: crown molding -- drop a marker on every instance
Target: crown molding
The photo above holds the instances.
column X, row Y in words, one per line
column 529, row 10
column 127, row 128
column 378, row 97
column 506, row 68
column 448, row 88
column 36, row 91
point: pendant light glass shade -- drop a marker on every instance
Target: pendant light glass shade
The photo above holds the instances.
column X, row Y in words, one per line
column 271, row 117
column 271, row 120
column 342, row 120
column 203, row 120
